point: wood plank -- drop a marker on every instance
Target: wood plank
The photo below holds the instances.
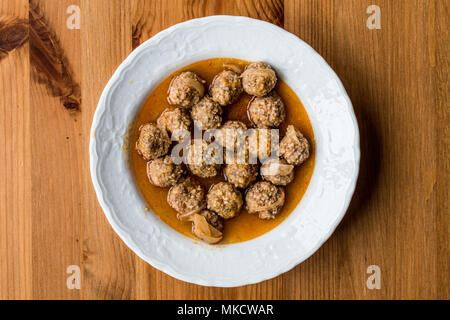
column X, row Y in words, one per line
column 439, row 43
column 109, row 266
column 56, row 147
column 394, row 218
column 15, row 157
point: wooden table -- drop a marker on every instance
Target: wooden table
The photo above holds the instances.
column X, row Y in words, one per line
column 50, row 81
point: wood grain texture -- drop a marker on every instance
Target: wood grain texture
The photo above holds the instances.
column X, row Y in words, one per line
column 15, row 164
column 56, row 149
column 109, row 266
column 48, row 59
column 13, row 34
column 396, row 77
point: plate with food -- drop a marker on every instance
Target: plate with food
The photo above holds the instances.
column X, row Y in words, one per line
column 224, row 151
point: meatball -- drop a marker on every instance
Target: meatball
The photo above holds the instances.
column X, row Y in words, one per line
column 265, row 199
column 240, row 154
column 176, row 121
column 230, row 134
column 226, row 87
column 259, row 79
column 262, row 143
column 277, row 171
column 201, row 163
column 153, row 142
column 241, row 175
column 186, row 89
column 213, row 219
column 224, row 199
column 294, row 147
column 162, row 172
column 267, row 112
column 186, row 197
column 207, row 113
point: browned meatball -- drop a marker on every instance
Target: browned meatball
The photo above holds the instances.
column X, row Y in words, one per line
column 226, row 87
column 294, row 147
column 262, row 143
column 259, row 79
column 267, row 112
column 224, row 199
column 231, row 133
column 176, row 121
column 186, row 197
column 153, row 142
column 207, row 113
column 203, row 164
column 162, row 172
column 265, row 199
column 232, row 136
column 213, row 219
column 241, row 175
column 277, row 171
column 186, row 89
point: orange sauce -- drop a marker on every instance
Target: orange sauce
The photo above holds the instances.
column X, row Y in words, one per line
column 245, row 226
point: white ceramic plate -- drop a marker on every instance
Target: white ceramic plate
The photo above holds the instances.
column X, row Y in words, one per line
column 332, row 183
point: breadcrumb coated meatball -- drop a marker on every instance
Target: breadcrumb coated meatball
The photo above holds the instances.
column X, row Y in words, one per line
column 207, row 113
column 259, row 79
column 224, row 199
column 226, row 87
column 294, row 147
column 201, row 163
column 264, row 199
column 231, row 133
column 262, row 143
column 277, row 171
column 162, row 172
column 240, row 155
column 213, row 219
column 241, row 175
column 186, row 89
column 174, row 120
column 267, row 112
column 153, row 142
column 233, row 137
column 186, row 197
